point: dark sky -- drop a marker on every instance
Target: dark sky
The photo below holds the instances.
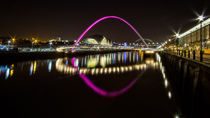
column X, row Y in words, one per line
column 48, row 19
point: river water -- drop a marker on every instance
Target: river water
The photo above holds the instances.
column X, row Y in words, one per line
column 121, row 84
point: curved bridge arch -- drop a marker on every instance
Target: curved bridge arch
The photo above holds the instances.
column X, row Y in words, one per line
column 104, row 18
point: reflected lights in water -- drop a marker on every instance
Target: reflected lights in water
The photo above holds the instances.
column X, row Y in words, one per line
column 105, row 60
column 7, row 71
column 176, row 116
column 94, row 71
column 92, row 62
column 166, row 83
column 50, row 66
column 169, row 95
column 33, row 68
column 101, row 91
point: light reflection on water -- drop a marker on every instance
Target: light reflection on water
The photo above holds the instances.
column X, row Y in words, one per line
column 28, row 68
column 111, row 63
column 166, row 84
column 6, row 71
column 100, row 64
column 107, row 63
column 90, row 65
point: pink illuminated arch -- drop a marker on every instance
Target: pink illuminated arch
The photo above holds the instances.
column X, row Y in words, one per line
column 108, row 17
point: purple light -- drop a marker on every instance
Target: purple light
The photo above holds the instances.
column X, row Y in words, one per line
column 102, row 91
column 108, row 17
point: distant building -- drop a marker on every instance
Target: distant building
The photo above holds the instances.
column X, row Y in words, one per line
column 4, row 39
column 191, row 38
column 97, row 40
column 59, row 41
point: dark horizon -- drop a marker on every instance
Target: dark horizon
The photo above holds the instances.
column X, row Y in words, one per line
column 51, row 19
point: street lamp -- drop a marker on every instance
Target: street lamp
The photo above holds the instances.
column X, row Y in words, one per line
column 50, row 44
column 13, row 40
column 177, row 36
column 9, row 42
column 32, row 44
column 200, row 19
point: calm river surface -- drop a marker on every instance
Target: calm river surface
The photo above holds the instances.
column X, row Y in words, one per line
column 121, row 84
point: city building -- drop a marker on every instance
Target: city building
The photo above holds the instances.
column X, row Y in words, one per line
column 59, row 41
column 4, row 39
column 192, row 38
column 97, row 40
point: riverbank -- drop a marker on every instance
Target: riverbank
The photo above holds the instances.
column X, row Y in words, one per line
column 190, row 80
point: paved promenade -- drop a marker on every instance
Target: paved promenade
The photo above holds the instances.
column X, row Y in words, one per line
column 206, row 57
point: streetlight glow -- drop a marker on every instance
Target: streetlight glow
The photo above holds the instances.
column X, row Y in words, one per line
column 177, row 35
column 13, row 39
column 200, row 18
column 9, row 42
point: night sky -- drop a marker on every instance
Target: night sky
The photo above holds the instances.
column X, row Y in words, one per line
column 50, row 19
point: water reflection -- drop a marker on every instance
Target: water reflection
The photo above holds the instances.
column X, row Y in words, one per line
column 101, row 91
column 104, row 60
column 6, row 71
column 107, row 63
column 50, row 66
column 26, row 69
column 61, row 67
column 33, row 68
column 112, row 63
column 88, row 68
column 166, row 82
column 94, row 65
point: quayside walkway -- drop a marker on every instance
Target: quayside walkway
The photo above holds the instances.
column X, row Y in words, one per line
column 191, row 56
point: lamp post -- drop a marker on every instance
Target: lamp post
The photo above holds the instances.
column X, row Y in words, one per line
column 200, row 19
column 177, row 41
column 32, row 44
column 13, row 40
column 9, row 42
column 50, row 43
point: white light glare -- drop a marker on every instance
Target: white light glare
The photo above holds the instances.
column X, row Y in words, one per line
column 176, row 116
column 200, row 18
column 169, row 95
column 177, row 35
column 205, row 23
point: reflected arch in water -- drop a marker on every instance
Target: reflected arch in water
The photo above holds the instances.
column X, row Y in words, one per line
column 101, row 91
column 104, row 18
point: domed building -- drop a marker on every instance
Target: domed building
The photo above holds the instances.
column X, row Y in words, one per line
column 97, row 40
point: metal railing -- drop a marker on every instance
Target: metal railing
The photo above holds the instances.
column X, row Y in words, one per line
column 193, row 54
